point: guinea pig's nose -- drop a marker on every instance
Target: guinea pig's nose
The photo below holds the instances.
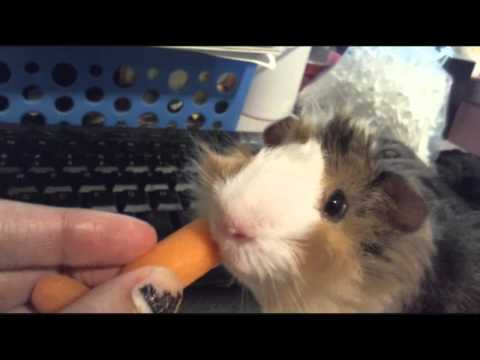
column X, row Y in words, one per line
column 236, row 229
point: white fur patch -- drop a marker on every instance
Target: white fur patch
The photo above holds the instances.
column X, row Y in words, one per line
column 276, row 197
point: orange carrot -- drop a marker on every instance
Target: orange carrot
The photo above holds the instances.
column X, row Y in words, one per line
column 189, row 253
column 53, row 292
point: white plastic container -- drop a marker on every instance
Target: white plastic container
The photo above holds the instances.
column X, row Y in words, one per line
column 273, row 93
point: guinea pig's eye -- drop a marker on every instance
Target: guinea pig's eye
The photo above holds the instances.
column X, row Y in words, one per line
column 336, row 206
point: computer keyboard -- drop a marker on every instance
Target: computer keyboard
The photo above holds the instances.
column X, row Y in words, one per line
column 139, row 172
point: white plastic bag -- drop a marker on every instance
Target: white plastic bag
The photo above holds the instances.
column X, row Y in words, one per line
column 399, row 92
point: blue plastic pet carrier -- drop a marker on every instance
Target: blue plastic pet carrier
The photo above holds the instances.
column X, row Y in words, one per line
column 129, row 86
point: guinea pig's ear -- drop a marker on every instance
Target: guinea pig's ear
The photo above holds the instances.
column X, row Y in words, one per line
column 290, row 128
column 409, row 209
column 276, row 133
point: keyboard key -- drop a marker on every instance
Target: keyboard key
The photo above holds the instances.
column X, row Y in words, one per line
column 9, row 170
column 102, row 154
column 20, row 180
column 38, row 158
column 101, row 199
column 108, row 176
column 121, row 198
column 8, row 143
column 71, row 159
column 138, row 175
column 92, row 178
column 134, row 159
column 32, row 197
column 137, row 148
column 9, row 159
column 164, row 200
column 160, row 220
column 136, row 201
column 9, row 179
column 43, row 177
column 106, row 160
column 155, row 147
column 57, row 185
column 103, row 146
column 185, row 197
column 155, row 193
column 106, row 170
column 71, row 176
column 172, row 156
column 156, row 178
column 62, row 198
column 182, row 182
column 123, row 178
column 153, row 160
column 94, row 160
column 166, row 169
column 169, row 201
column 121, row 160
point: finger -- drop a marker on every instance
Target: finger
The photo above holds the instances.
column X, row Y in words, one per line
column 94, row 277
column 16, row 287
column 23, row 309
column 145, row 290
column 35, row 235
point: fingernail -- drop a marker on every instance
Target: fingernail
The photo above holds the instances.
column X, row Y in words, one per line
column 150, row 298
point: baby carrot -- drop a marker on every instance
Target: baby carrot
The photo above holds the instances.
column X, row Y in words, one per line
column 53, row 292
column 189, row 253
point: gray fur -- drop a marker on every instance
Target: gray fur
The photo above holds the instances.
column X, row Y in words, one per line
column 453, row 283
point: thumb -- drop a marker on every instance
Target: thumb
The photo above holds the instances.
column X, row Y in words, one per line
column 146, row 290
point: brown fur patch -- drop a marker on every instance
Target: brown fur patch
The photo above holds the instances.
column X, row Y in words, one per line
column 220, row 166
column 213, row 167
column 287, row 130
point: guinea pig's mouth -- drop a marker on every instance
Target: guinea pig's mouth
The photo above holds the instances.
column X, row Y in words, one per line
column 239, row 253
column 254, row 259
column 231, row 245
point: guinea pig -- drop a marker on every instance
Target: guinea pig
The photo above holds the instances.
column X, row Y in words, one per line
column 332, row 220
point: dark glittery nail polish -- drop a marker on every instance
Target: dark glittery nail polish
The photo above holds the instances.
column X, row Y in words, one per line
column 159, row 303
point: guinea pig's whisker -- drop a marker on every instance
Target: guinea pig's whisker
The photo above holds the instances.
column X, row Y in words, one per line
column 276, row 294
column 269, row 269
column 296, row 300
column 215, row 197
column 299, row 292
column 243, row 295
column 203, row 175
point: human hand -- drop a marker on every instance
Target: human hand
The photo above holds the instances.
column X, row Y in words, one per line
column 88, row 245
